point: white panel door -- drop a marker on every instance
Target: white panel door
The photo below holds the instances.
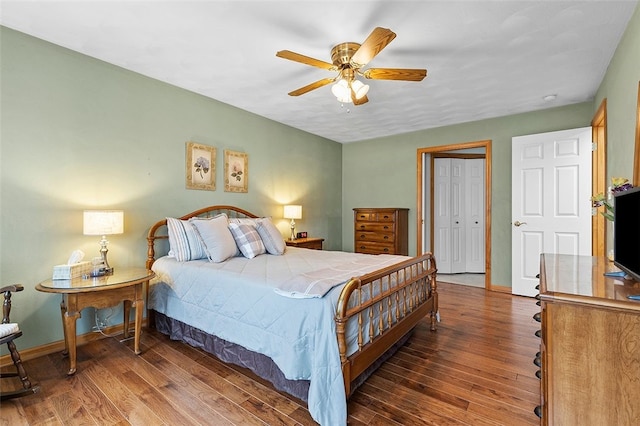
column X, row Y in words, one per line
column 458, row 230
column 442, row 213
column 475, row 215
column 551, row 201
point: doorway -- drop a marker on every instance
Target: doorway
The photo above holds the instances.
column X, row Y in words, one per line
column 425, row 195
column 458, row 212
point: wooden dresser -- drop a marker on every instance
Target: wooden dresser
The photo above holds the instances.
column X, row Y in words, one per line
column 590, row 343
column 381, row 230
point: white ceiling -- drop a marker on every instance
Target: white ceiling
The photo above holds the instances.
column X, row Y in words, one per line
column 484, row 58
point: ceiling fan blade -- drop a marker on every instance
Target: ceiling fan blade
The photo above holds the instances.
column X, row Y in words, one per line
column 406, row 74
column 377, row 40
column 292, row 56
column 312, row 86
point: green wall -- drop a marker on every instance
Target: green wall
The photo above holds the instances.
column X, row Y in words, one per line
column 382, row 172
column 78, row 133
column 620, row 88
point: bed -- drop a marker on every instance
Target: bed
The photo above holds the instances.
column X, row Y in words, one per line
column 313, row 323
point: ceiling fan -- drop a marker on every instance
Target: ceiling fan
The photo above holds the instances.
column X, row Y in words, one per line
column 348, row 60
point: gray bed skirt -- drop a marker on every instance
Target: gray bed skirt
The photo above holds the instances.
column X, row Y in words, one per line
column 259, row 364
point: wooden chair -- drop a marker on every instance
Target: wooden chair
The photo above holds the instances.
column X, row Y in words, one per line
column 8, row 333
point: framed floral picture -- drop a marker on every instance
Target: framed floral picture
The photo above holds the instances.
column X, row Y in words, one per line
column 200, row 167
column 236, row 171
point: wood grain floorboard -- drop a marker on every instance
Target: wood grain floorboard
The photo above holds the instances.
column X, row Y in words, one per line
column 476, row 369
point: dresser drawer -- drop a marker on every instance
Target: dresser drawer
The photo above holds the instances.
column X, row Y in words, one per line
column 374, row 227
column 366, row 216
column 376, row 216
column 373, row 247
column 386, row 217
column 374, row 236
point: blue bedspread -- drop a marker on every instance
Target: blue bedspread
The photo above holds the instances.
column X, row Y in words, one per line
column 241, row 305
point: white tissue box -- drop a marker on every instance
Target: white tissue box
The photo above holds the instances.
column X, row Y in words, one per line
column 67, row 272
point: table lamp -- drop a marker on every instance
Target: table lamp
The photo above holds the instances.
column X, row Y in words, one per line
column 293, row 212
column 103, row 222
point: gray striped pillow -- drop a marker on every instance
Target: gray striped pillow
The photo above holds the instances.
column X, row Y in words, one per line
column 184, row 243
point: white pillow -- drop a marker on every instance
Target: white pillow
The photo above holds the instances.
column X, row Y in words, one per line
column 184, row 243
column 271, row 236
column 247, row 239
column 216, row 238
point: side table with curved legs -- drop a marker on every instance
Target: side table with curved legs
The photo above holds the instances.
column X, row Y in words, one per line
column 124, row 285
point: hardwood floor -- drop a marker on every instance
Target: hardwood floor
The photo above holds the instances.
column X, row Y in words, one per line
column 476, row 369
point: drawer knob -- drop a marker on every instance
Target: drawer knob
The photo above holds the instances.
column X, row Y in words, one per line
column 538, row 411
column 386, row 237
column 386, row 227
column 537, row 362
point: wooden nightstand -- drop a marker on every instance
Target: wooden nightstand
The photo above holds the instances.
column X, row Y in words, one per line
column 125, row 284
column 310, row 243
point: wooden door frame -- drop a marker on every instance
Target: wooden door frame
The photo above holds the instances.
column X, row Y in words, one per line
column 421, row 152
column 599, row 177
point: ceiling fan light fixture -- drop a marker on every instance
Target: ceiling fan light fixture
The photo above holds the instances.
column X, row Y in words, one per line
column 348, row 59
column 341, row 90
column 359, row 88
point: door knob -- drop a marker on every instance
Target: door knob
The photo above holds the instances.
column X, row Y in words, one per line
column 518, row 223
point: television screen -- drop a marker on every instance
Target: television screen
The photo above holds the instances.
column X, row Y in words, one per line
column 626, row 232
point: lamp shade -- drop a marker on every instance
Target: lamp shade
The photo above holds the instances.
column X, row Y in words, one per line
column 103, row 222
column 359, row 89
column 341, row 89
column 293, row 212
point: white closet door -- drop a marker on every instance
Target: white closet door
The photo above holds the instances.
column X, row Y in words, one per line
column 459, row 215
column 475, row 215
column 458, row 231
column 442, row 213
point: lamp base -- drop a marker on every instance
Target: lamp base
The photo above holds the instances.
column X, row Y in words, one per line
column 106, row 269
column 293, row 230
